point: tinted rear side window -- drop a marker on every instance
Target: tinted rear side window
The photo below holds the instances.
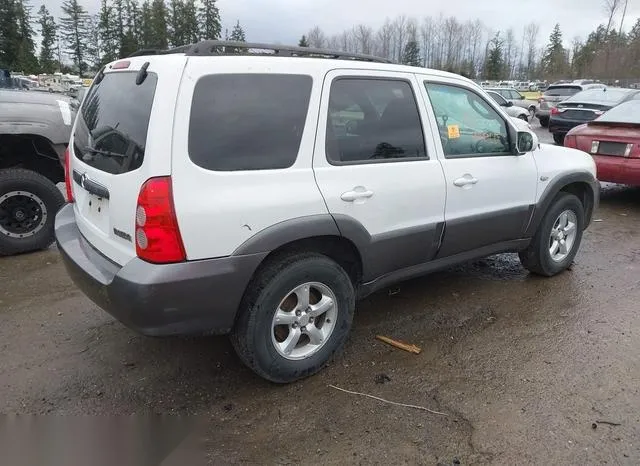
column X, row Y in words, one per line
column 111, row 133
column 248, row 121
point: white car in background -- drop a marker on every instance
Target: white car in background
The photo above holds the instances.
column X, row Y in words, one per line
column 512, row 110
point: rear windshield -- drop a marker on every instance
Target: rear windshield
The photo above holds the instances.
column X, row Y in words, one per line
column 112, row 127
column 562, row 90
column 601, row 96
column 248, row 121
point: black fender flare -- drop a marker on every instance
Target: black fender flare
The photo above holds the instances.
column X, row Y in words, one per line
column 552, row 190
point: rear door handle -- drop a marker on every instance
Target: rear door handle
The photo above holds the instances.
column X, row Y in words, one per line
column 466, row 180
column 357, row 193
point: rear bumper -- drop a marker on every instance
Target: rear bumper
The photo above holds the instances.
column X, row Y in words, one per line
column 199, row 297
column 620, row 170
column 563, row 126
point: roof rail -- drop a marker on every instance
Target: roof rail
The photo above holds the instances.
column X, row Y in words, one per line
column 221, row 47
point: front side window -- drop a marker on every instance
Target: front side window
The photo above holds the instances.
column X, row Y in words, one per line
column 248, row 121
column 373, row 120
column 468, row 125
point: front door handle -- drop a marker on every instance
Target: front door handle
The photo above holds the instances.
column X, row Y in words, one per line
column 358, row 193
column 466, row 180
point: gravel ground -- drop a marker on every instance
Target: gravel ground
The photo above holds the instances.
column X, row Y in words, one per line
column 527, row 370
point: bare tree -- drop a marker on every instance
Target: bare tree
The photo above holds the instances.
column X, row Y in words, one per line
column 399, row 36
column 624, row 13
column 316, row 38
column 611, row 8
column 385, row 36
column 363, row 35
column 427, row 34
column 531, row 34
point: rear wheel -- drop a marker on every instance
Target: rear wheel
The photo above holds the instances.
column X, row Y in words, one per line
column 28, row 206
column 558, row 238
column 558, row 138
column 296, row 314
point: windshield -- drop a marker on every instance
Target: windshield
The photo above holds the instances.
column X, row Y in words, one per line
column 603, row 96
column 111, row 133
column 562, row 91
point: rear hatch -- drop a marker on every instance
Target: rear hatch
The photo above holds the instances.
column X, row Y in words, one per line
column 555, row 94
column 121, row 138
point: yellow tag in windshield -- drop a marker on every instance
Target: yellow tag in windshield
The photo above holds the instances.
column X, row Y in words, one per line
column 454, row 131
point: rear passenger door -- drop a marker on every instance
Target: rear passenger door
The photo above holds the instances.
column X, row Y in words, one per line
column 376, row 170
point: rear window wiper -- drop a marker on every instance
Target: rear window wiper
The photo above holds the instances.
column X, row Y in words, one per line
column 106, row 153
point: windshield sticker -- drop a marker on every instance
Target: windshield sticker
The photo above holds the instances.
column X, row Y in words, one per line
column 454, row 131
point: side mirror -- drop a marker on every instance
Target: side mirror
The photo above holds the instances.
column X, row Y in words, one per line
column 526, row 142
column 508, row 104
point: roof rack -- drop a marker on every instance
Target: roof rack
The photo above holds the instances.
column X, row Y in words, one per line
column 221, row 47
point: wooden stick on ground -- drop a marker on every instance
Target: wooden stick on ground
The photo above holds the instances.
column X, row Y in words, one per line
column 387, row 401
column 400, row 345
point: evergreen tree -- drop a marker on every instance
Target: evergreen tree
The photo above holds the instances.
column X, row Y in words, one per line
column 554, row 60
column 48, row 62
column 237, row 34
column 75, row 32
column 303, row 42
column 130, row 37
column 411, row 55
column 210, row 27
column 146, row 21
column 176, row 23
column 93, row 52
column 158, row 27
column 9, row 33
column 26, row 57
column 190, row 27
column 108, row 33
column 494, row 64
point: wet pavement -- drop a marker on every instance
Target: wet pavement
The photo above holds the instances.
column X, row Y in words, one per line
column 527, row 370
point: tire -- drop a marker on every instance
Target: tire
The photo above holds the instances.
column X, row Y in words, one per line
column 537, row 257
column 27, row 193
column 544, row 122
column 255, row 336
column 558, row 138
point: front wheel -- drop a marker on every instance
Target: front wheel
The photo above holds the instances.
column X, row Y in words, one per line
column 296, row 314
column 558, row 238
column 28, row 206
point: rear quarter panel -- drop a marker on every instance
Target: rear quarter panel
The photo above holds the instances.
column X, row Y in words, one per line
column 218, row 211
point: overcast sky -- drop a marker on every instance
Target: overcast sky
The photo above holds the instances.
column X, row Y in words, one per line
column 286, row 20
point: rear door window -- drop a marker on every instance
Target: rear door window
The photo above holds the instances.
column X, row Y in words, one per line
column 111, row 132
column 248, row 121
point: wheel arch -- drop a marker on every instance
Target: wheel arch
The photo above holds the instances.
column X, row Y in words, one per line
column 582, row 184
column 33, row 152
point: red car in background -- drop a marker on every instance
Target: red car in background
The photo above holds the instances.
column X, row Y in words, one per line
column 613, row 140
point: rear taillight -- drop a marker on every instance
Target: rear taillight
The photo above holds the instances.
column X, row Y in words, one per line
column 158, row 238
column 68, row 181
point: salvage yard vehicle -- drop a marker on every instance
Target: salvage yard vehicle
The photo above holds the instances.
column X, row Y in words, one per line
column 585, row 106
column 34, row 131
column 260, row 190
column 558, row 92
column 613, row 140
column 512, row 110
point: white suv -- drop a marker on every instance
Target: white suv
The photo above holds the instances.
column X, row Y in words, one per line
column 260, row 191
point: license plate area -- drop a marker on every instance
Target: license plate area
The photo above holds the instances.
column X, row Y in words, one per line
column 615, row 149
column 95, row 211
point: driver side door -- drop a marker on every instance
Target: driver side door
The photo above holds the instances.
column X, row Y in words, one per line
column 490, row 191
